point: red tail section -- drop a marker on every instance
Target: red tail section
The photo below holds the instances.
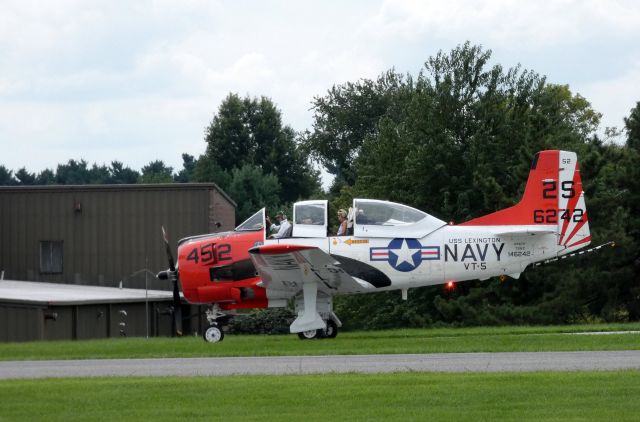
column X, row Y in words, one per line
column 553, row 197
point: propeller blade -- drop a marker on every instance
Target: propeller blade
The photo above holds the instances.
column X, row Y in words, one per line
column 177, row 303
column 177, row 307
column 172, row 265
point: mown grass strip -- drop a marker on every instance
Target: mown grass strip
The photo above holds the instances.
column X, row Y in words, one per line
column 564, row 396
column 481, row 339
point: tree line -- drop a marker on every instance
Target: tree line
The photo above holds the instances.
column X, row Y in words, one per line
column 456, row 140
column 250, row 153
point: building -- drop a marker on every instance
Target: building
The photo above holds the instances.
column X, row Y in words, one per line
column 102, row 235
column 51, row 311
column 97, row 235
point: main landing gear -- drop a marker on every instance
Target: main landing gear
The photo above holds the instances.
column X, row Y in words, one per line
column 315, row 314
column 330, row 332
column 216, row 318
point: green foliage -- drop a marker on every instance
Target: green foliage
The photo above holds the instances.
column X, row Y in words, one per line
column 186, row 174
column 249, row 132
column 72, row 173
column 632, row 126
column 46, row 177
column 6, row 177
column 119, row 174
column 262, row 321
column 252, row 190
column 345, row 117
column 25, row 178
column 156, row 172
column 457, row 141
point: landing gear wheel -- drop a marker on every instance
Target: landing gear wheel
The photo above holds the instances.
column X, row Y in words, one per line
column 308, row 335
column 332, row 329
column 213, row 334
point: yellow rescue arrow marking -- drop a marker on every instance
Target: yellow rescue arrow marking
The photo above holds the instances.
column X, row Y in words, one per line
column 356, row 241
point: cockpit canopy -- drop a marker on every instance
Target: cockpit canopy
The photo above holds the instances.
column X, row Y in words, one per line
column 368, row 217
column 381, row 213
column 373, row 218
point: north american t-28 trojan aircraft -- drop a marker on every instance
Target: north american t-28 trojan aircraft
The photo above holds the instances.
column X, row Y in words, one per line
column 389, row 247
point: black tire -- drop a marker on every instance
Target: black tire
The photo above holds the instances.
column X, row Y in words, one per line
column 331, row 330
column 308, row 335
column 213, row 334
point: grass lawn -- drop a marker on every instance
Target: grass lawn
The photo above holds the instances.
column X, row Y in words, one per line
column 481, row 339
column 563, row 396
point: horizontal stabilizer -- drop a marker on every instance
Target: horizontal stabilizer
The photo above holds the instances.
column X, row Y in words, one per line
column 531, row 231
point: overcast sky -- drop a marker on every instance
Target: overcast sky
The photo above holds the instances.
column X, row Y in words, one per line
column 140, row 80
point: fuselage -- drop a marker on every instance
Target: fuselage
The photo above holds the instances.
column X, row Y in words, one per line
column 217, row 267
column 450, row 253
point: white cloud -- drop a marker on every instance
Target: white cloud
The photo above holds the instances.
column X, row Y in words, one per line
column 140, row 81
column 614, row 97
column 506, row 22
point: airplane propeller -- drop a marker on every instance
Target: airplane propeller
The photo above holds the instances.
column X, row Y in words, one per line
column 172, row 274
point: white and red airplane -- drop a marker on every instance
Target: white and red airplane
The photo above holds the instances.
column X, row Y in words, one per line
column 391, row 247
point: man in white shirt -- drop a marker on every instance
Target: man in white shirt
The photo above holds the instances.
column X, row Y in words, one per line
column 283, row 226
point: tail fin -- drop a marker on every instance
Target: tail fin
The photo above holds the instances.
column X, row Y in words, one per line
column 553, row 199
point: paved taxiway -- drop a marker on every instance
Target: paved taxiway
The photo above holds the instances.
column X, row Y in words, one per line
column 437, row 362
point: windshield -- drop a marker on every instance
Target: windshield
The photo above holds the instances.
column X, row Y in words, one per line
column 381, row 213
column 253, row 223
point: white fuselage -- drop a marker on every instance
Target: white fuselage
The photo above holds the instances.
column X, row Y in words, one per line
column 450, row 253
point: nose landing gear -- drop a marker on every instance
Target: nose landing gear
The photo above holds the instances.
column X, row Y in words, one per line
column 213, row 333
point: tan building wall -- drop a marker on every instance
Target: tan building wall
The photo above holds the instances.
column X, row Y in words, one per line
column 108, row 232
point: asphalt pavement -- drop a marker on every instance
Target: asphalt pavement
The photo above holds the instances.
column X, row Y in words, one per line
column 437, row 362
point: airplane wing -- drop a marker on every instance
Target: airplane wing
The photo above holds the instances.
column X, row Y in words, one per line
column 306, row 268
column 288, row 267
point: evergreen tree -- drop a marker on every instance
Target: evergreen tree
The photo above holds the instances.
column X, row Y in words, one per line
column 25, row 178
column 99, row 174
column 252, row 190
column 46, row 177
column 632, row 126
column 73, row 173
column 186, row 174
column 6, row 177
column 119, row 174
column 156, row 172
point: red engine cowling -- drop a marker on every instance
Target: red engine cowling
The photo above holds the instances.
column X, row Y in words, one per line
column 217, row 269
column 220, row 293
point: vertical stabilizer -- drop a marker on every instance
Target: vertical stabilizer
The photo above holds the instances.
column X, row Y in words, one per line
column 553, row 198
